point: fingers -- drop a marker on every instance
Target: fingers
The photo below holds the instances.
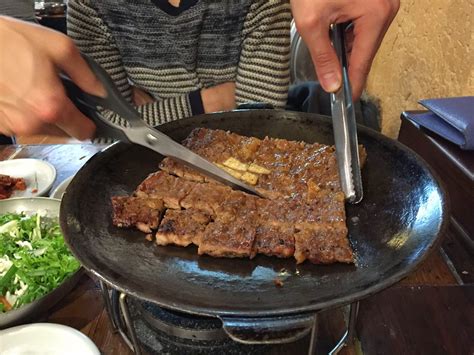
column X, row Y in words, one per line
column 316, row 37
column 74, row 123
column 328, row 68
column 141, row 97
column 4, row 127
column 368, row 34
column 32, row 97
column 52, row 111
column 64, row 54
column 313, row 20
column 371, row 19
column 68, row 118
column 58, row 110
column 366, row 42
column 15, row 122
column 68, row 58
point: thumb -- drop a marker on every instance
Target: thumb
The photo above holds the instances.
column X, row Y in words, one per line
column 328, row 68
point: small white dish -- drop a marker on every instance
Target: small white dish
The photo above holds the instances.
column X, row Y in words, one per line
column 45, row 338
column 61, row 188
column 39, row 175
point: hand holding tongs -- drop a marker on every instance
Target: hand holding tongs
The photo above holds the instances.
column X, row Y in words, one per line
column 344, row 125
column 138, row 131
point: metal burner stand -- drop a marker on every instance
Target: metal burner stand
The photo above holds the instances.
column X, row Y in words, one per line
column 119, row 314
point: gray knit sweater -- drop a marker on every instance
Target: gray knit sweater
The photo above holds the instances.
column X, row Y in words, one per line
column 172, row 52
column 21, row 9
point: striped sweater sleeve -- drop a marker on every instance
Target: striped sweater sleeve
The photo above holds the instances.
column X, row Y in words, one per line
column 93, row 38
column 263, row 72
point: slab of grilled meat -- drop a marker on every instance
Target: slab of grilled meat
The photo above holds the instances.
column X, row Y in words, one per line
column 182, row 227
column 143, row 213
column 303, row 216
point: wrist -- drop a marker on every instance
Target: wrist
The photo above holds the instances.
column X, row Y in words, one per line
column 210, row 100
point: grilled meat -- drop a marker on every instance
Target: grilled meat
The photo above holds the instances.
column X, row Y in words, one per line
column 238, row 206
column 170, row 189
column 182, row 227
column 230, row 240
column 274, row 241
column 174, row 168
column 142, row 213
column 206, row 197
column 326, row 244
column 304, row 215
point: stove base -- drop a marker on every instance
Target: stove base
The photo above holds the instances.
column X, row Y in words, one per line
column 149, row 329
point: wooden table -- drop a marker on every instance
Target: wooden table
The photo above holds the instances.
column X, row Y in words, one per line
column 432, row 282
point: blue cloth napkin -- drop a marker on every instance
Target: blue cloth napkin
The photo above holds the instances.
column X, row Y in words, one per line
column 452, row 118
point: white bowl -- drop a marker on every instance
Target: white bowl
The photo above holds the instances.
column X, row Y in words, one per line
column 45, row 339
column 61, row 188
column 39, row 175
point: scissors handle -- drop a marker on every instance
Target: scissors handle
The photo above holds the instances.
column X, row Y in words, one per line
column 89, row 105
column 114, row 101
column 138, row 131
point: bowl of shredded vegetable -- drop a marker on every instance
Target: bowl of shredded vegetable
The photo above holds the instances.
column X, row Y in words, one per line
column 36, row 267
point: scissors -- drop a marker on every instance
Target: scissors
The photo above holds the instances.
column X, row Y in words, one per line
column 138, row 131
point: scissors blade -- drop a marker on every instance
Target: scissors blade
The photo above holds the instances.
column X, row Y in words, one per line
column 161, row 143
column 138, row 131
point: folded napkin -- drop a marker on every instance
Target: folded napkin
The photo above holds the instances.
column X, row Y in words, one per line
column 451, row 118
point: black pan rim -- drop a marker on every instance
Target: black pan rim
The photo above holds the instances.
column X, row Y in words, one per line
column 339, row 301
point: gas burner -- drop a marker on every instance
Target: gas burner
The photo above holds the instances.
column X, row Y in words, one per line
column 163, row 331
column 180, row 325
column 148, row 328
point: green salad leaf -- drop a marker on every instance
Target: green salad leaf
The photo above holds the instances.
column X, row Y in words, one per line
column 34, row 258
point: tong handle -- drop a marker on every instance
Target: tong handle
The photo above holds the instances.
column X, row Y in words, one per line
column 344, row 124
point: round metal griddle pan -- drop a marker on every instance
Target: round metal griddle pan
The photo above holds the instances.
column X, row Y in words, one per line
column 395, row 226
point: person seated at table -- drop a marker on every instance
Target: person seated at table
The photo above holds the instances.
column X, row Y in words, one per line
column 175, row 59
column 33, row 101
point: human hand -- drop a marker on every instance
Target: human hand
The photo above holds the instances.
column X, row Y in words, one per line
column 32, row 98
column 219, row 98
column 140, row 97
column 371, row 19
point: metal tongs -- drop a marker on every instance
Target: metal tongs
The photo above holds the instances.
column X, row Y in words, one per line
column 138, row 131
column 344, row 125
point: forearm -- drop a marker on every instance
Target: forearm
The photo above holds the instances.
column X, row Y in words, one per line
column 217, row 98
column 171, row 109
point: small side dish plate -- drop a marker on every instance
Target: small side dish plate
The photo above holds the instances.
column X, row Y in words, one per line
column 45, row 338
column 39, row 175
